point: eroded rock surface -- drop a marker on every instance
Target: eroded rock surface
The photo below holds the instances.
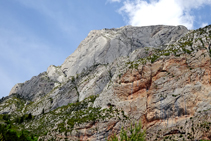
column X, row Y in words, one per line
column 160, row 75
column 104, row 46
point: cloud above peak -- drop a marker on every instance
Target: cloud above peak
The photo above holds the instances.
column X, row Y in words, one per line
column 154, row 12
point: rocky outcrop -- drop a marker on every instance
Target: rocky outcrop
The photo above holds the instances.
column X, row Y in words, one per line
column 101, row 47
column 168, row 93
column 55, row 73
column 157, row 74
column 35, row 88
column 104, row 46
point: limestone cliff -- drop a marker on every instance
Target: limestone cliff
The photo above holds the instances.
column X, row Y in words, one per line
column 157, row 74
column 104, row 46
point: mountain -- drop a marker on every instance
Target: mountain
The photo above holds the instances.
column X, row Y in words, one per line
column 159, row 75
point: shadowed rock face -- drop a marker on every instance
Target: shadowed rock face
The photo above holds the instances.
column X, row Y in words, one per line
column 36, row 87
column 104, row 46
column 168, row 88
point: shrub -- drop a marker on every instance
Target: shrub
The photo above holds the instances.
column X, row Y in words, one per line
column 73, row 79
column 167, row 54
column 7, row 134
column 135, row 134
column 154, row 58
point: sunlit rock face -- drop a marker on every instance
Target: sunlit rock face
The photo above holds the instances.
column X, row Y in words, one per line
column 104, row 46
column 100, row 47
column 167, row 93
column 159, row 75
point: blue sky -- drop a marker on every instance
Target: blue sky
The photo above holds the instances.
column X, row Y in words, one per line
column 36, row 34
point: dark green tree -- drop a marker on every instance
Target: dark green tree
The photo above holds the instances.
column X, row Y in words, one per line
column 6, row 117
column 135, row 134
column 11, row 136
column 22, row 137
column 21, row 119
column 29, row 116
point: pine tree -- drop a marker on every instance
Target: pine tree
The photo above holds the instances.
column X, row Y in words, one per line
column 1, row 137
column 135, row 134
column 29, row 116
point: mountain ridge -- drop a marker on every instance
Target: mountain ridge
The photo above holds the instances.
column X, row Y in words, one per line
column 166, row 86
column 61, row 74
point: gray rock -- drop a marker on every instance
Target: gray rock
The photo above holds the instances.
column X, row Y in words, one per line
column 36, row 87
column 104, row 46
column 16, row 88
column 168, row 93
column 56, row 74
column 100, row 47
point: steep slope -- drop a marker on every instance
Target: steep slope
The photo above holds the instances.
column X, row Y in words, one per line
column 104, row 46
column 162, row 79
column 100, row 48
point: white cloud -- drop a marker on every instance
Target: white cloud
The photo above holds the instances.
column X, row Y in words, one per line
column 168, row 12
column 204, row 24
column 114, row 0
column 192, row 4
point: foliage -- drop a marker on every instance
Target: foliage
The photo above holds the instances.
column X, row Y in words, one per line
column 186, row 51
column 6, row 117
column 82, row 113
column 167, row 54
column 9, row 134
column 154, row 58
column 135, row 134
column 73, row 79
column 210, row 52
column 10, row 129
column 23, row 118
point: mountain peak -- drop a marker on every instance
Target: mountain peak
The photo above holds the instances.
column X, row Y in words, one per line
column 159, row 75
column 106, row 45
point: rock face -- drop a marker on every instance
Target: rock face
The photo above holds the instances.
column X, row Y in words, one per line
column 36, row 87
column 101, row 47
column 160, row 75
column 56, row 74
column 104, row 46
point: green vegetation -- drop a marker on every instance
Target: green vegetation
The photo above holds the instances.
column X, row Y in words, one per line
column 167, row 54
column 15, row 99
column 154, row 58
column 174, row 95
column 9, row 132
column 67, row 117
column 186, row 43
column 205, row 125
column 23, row 118
column 201, row 30
column 210, row 52
column 19, row 126
column 157, row 53
column 82, row 113
column 73, row 79
column 135, row 134
column 183, row 46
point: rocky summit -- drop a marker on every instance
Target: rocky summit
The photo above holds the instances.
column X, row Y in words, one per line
column 158, row 75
